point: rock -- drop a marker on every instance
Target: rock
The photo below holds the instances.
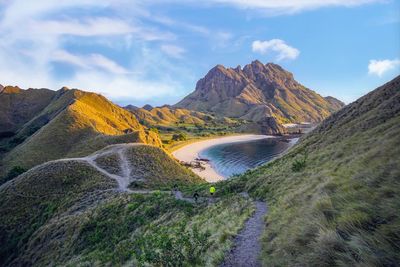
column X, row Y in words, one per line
column 269, row 126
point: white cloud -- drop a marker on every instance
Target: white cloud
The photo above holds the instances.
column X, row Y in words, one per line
column 36, row 35
column 87, row 27
column 66, row 57
column 276, row 46
column 107, row 64
column 380, row 67
column 92, row 61
column 290, row 6
column 173, row 50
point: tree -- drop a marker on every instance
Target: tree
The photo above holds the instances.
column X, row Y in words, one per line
column 179, row 137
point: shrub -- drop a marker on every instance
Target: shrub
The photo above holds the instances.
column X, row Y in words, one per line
column 179, row 137
column 14, row 172
column 299, row 164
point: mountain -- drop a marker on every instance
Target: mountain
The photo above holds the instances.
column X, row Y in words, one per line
column 42, row 125
column 258, row 91
column 334, row 199
column 19, row 106
column 336, row 104
column 147, row 107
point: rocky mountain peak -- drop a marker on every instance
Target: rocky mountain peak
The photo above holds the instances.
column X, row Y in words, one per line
column 255, row 92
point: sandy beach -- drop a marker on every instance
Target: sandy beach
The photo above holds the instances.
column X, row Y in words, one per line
column 191, row 152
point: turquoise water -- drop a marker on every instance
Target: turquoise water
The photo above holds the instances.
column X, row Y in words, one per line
column 236, row 158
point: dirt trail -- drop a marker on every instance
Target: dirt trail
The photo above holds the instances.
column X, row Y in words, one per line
column 247, row 246
column 123, row 180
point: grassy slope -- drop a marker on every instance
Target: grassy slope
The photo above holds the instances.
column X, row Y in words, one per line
column 151, row 166
column 77, row 123
column 147, row 161
column 29, row 202
column 340, row 207
column 70, row 217
column 19, row 106
column 170, row 116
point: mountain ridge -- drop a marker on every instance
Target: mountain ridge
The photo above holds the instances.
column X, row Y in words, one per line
column 68, row 122
column 257, row 91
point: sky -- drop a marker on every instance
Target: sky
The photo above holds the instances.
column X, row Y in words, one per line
column 154, row 51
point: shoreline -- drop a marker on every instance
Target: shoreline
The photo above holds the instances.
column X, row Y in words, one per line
column 190, row 153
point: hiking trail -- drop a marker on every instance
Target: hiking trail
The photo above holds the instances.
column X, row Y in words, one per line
column 247, row 247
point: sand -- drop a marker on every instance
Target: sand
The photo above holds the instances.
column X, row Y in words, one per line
column 190, row 152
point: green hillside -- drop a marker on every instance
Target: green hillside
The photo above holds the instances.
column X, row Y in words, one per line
column 334, row 199
column 167, row 116
column 67, row 212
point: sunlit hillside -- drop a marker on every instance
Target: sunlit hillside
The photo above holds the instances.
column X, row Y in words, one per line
column 73, row 123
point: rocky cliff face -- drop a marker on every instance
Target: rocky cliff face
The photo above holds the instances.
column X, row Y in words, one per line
column 258, row 91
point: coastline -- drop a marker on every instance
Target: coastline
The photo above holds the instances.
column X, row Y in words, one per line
column 190, row 153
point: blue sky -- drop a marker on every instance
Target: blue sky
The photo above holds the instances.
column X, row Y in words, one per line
column 137, row 52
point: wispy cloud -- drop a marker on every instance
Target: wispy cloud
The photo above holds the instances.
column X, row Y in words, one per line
column 380, row 67
column 274, row 7
column 276, row 47
column 89, row 62
column 36, row 36
column 173, row 50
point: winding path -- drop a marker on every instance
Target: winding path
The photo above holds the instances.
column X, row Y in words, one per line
column 123, row 180
column 247, row 247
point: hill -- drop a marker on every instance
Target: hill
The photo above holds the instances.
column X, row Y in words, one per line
column 65, row 123
column 74, row 212
column 167, row 116
column 20, row 106
column 258, row 91
column 334, row 199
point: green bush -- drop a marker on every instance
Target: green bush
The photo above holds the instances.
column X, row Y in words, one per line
column 299, row 164
column 14, row 172
column 179, row 137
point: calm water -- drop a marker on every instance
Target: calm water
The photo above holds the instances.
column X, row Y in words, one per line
column 236, row 158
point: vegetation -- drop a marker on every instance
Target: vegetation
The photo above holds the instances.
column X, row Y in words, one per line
column 74, row 123
column 299, row 164
column 333, row 199
column 14, row 172
column 43, row 225
column 32, row 199
column 179, row 137
column 158, row 169
column 338, row 207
